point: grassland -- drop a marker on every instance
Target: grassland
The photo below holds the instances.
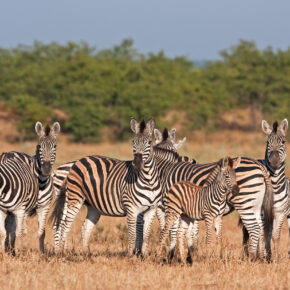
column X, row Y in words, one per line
column 109, row 268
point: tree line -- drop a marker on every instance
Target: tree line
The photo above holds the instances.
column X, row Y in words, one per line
column 93, row 93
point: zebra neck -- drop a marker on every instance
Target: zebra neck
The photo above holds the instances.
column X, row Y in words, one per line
column 149, row 171
column 216, row 189
column 275, row 173
column 164, row 154
column 44, row 180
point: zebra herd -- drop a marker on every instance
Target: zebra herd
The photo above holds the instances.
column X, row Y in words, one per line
column 157, row 182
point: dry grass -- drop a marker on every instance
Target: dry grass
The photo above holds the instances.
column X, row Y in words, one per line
column 109, row 268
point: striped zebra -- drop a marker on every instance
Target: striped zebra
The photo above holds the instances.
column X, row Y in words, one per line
column 187, row 201
column 275, row 162
column 165, row 140
column 112, row 187
column 18, row 194
column 41, row 165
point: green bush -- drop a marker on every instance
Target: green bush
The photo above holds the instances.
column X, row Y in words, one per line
column 98, row 91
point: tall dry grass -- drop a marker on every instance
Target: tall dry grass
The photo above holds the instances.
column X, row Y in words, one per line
column 108, row 267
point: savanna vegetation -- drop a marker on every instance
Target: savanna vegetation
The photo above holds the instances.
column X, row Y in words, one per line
column 109, row 267
column 95, row 92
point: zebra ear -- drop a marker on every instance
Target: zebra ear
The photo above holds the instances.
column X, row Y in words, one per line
column 180, row 143
column 284, row 126
column 150, row 126
column 56, row 128
column 134, row 126
column 266, row 127
column 158, row 136
column 172, row 134
column 236, row 163
column 39, row 129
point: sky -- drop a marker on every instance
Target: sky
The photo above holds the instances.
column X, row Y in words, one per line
column 198, row 29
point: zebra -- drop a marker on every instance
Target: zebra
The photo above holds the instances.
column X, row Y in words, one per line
column 111, row 187
column 275, row 162
column 41, row 165
column 165, row 140
column 18, row 194
column 187, row 201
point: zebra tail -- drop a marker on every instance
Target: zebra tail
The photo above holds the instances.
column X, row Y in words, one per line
column 32, row 212
column 240, row 223
column 58, row 207
column 268, row 204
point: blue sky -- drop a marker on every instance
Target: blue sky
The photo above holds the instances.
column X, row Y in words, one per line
column 197, row 29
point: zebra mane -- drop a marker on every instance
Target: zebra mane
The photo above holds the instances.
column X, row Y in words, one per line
column 142, row 126
column 165, row 134
column 275, row 126
column 157, row 148
column 47, row 130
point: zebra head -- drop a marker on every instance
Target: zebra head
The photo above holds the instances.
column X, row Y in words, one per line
column 46, row 148
column 166, row 140
column 276, row 143
column 228, row 175
column 142, row 142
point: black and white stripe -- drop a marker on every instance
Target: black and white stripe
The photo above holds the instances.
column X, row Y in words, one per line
column 18, row 194
column 187, row 201
column 112, row 187
column 275, row 162
column 41, row 165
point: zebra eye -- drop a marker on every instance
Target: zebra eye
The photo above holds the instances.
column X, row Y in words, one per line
column 150, row 142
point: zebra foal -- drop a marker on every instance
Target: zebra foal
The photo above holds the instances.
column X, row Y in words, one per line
column 188, row 201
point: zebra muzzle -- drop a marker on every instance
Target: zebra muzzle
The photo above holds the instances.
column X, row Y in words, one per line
column 274, row 159
column 137, row 162
column 235, row 190
column 46, row 168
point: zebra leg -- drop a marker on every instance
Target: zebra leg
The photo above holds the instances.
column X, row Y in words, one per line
column 58, row 247
column 208, row 226
column 171, row 217
column 42, row 215
column 192, row 238
column 253, row 228
column 245, row 241
column 2, row 231
column 218, row 232
column 65, row 226
column 139, row 234
column 173, row 238
column 20, row 216
column 148, row 219
column 277, row 225
column 160, row 213
column 183, row 228
column 10, row 226
column 132, row 217
column 91, row 220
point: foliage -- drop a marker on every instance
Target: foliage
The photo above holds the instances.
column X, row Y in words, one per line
column 98, row 91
